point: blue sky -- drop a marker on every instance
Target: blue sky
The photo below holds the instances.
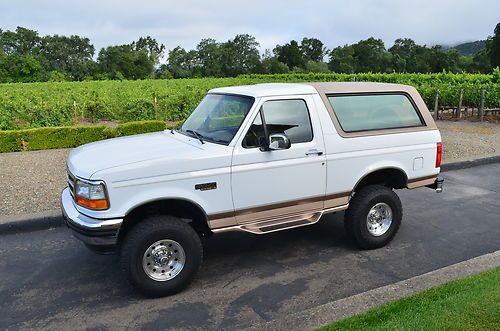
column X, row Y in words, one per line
column 184, row 23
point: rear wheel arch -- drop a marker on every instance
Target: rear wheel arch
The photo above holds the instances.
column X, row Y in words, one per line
column 181, row 208
column 392, row 177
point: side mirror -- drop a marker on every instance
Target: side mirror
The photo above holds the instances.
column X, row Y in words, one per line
column 279, row 141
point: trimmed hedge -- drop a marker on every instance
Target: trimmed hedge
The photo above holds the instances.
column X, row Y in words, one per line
column 70, row 136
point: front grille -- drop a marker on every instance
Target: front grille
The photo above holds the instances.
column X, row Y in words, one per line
column 71, row 184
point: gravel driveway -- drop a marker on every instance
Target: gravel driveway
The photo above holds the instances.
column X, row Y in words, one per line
column 31, row 182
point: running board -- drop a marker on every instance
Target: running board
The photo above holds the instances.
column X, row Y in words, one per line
column 281, row 223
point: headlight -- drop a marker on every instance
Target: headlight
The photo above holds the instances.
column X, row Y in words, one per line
column 91, row 195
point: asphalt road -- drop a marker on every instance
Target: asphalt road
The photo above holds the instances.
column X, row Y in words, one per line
column 48, row 280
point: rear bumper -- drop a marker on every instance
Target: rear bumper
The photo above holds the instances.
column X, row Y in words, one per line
column 98, row 234
column 437, row 185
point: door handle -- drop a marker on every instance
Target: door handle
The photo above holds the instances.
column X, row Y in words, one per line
column 314, row 152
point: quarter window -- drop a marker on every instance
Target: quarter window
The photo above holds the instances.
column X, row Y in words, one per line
column 374, row 112
column 290, row 117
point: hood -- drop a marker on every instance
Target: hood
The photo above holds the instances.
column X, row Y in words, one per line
column 86, row 160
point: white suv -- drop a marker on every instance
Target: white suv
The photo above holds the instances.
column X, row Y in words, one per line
column 259, row 158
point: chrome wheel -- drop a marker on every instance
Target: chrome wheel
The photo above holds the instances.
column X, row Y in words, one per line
column 379, row 219
column 163, row 260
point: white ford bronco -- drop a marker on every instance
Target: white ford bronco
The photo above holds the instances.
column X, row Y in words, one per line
column 259, row 159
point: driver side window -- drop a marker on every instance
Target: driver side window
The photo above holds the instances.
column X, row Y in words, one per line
column 289, row 117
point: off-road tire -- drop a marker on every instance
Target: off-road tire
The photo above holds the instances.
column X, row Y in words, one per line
column 355, row 219
column 149, row 231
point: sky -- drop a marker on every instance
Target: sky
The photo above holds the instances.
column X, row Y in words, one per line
column 186, row 22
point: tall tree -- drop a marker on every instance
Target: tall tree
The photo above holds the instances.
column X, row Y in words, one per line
column 209, row 54
column 151, row 46
column 313, row 49
column 290, row 54
column 124, row 62
column 493, row 47
column 22, row 41
column 181, row 64
column 71, row 55
column 342, row 60
column 443, row 60
column 269, row 64
column 407, row 56
column 240, row 55
column 371, row 55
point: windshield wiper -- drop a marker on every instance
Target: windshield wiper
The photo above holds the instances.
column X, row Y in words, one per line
column 197, row 135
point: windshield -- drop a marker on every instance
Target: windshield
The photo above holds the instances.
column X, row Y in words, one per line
column 218, row 117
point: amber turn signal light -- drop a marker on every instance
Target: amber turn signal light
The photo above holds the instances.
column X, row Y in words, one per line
column 92, row 204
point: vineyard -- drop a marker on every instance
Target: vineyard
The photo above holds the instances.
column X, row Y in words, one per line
column 68, row 103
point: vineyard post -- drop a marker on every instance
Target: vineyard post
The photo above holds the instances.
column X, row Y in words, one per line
column 459, row 109
column 481, row 106
column 436, row 106
column 156, row 108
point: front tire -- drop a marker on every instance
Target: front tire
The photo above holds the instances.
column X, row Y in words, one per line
column 161, row 255
column 373, row 217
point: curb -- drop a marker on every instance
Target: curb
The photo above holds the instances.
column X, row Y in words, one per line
column 53, row 218
column 336, row 310
column 31, row 222
column 469, row 164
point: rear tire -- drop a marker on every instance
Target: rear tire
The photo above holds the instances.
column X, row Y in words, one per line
column 373, row 217
column 161, row 255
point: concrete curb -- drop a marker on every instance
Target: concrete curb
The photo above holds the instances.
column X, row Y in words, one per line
column 359, row 303
column 52, row 218
column 31, row 222
column 469, row 164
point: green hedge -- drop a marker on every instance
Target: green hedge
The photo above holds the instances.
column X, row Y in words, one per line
column 70, row 136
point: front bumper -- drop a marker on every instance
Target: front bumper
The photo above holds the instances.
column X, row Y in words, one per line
column 98, row 234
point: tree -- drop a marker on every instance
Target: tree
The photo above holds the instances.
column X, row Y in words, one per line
column 313, row 49
column 316, row 67
column 443, row 60
column 290, row 54
column 480, row 62
column 342, row 60
column 149, row 45
column 407, row 56
column 22, row 42
column 181, row 64
column 125, row 62
column 371, row 55
column 364, row 56
column 17, row 68
column 493, row 47
column 71, row 55
column 269, row 64
column 240, row 55
column 209, row 55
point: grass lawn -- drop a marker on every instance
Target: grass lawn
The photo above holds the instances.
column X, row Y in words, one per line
column 469, row 304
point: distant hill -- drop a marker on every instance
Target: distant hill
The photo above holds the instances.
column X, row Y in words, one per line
column 470, row 48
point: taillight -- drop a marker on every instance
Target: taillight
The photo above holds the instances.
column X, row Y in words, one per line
column 439, row 154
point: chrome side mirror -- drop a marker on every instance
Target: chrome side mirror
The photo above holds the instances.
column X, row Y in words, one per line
column 279, row 141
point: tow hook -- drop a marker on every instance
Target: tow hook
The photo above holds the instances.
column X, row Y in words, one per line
column 437, row 185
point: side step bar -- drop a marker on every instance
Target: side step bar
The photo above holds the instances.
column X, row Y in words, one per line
column 281, row 223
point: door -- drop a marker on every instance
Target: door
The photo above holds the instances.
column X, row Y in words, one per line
column 268, row 184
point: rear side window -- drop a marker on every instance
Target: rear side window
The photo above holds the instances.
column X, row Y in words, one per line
column 374, row 112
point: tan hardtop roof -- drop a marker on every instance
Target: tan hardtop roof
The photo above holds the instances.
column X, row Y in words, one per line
column 324, row 89
column 355, row 87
